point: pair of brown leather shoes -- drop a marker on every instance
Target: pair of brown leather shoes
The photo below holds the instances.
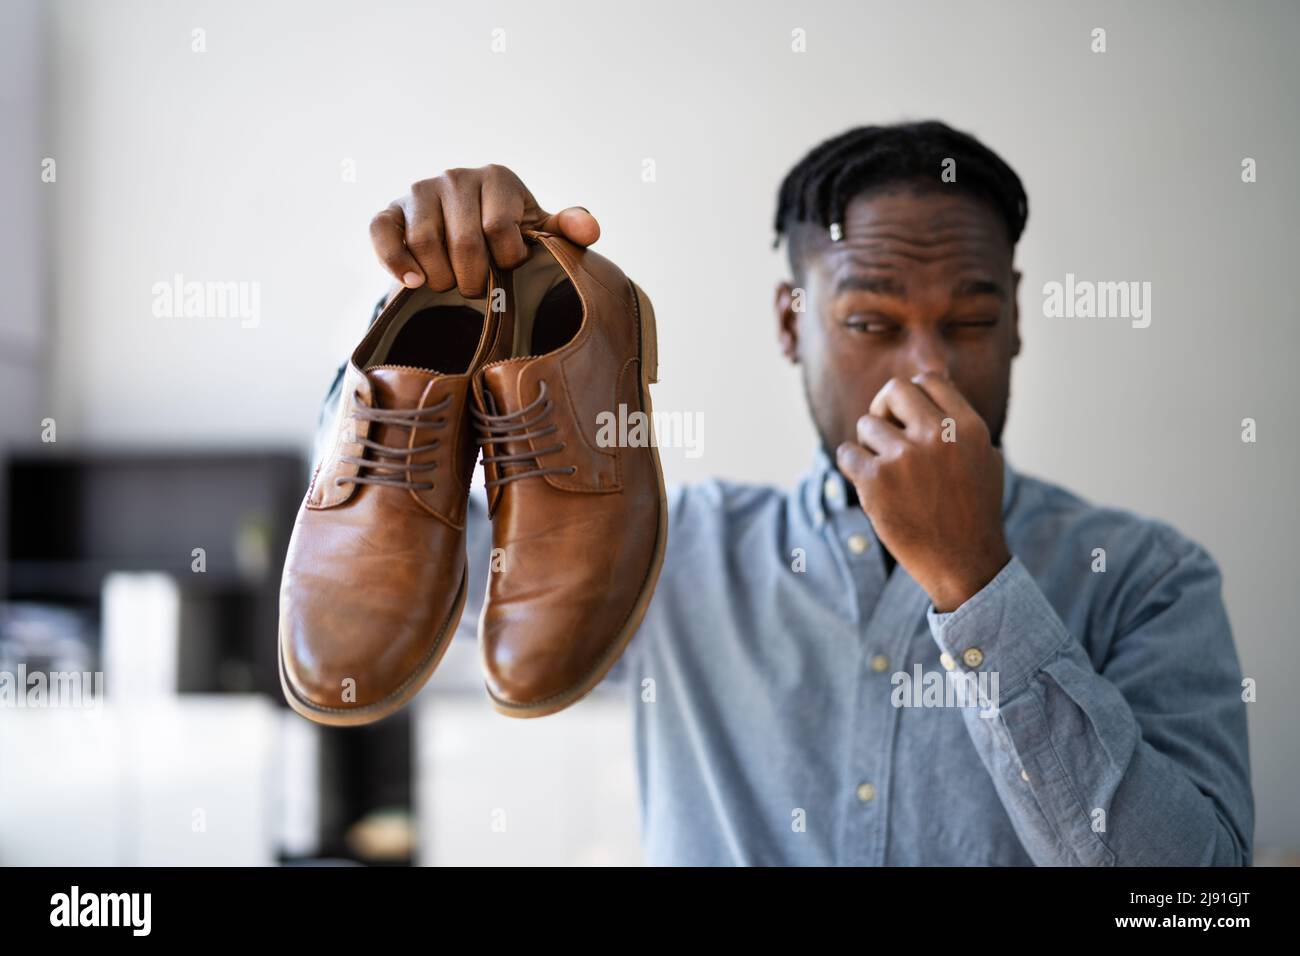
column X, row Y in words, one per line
column 375, row 578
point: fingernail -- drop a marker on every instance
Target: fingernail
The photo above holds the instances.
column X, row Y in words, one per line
column 412, row 280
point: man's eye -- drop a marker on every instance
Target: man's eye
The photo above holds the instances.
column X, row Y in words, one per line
column 869, row 323
column 962, row 324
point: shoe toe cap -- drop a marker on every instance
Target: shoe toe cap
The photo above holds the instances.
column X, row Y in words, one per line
column 537, row 655
column 343, row 654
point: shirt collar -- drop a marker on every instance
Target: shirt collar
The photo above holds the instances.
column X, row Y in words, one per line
column 825, row 491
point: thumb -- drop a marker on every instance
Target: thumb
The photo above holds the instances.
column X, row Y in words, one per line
column 852, row 461
column 575, row 224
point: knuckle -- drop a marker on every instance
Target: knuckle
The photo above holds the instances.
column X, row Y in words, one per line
column 463, row 247
column 423, row 241
column 498, row 227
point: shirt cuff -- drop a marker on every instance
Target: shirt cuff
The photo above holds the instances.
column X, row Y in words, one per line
column 1007, row 627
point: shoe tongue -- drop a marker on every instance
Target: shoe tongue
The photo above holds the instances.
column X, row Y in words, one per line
column 502, row 383
column 396, row 387
column 399, row 386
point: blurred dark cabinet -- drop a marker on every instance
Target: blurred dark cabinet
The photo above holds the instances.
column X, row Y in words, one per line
column 71, row 519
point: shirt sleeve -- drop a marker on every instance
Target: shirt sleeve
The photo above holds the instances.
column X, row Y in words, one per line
column 1141, row 762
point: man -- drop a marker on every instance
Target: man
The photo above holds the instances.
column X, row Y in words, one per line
column 788, row 682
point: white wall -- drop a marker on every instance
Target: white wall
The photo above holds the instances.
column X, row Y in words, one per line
column 226, row 166
column 23, row 197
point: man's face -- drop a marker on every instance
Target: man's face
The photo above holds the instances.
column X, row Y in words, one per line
column 920, row 282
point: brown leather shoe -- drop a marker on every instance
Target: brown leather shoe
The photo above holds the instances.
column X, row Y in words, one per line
column 375, row 577
column 578, row 530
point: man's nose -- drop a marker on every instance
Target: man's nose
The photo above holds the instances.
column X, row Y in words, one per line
column 925, row 353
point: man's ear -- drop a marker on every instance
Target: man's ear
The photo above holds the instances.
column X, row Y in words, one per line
column 787, row 321
column 1015, row 313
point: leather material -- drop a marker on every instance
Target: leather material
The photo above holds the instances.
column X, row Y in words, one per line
column 581, row 538
column 329, row 486
column 375, row 576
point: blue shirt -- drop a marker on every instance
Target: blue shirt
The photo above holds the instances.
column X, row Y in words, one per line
column 793, row 703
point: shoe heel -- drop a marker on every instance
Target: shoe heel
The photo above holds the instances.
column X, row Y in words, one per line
column 649, row 337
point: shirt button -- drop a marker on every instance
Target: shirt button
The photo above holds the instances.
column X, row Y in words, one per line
column 946, row 660
column 1024, row 776
column 832, row 489
column 866, row 792
column 879, row 663
column 858, row 543
column 972, row 657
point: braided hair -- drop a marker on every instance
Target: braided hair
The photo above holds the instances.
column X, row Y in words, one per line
column 816, row 192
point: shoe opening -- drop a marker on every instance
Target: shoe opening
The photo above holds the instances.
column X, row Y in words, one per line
column 558, row 318
column 442, row 339
column 435, row 331
column 548, row 310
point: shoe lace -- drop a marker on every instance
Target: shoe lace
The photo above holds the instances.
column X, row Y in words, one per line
column 378, row 469
column 515, row 426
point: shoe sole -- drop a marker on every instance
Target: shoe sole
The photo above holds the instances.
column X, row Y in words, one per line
column 649, row 358
column 370, row 713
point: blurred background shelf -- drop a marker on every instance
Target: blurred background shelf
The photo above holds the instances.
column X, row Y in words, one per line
column 217, row 522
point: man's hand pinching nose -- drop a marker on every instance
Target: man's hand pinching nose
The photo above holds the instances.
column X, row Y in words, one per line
column 930, row 480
